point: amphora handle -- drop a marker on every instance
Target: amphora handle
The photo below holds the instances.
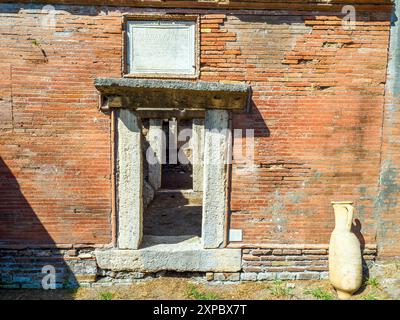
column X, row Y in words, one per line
column 350, row 212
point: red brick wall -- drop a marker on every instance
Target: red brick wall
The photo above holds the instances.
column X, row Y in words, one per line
column 387, row 204
column 55, row 153
column 318, row 101
column 317, row 114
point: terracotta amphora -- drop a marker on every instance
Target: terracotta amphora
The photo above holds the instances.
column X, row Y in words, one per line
column 345, row 264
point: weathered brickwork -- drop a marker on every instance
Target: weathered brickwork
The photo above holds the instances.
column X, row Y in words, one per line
column 387, row 204
column 315, row 94
column 291, row 262
column 55, row 157
column 318, row 109
column 233, row 4
column 27, row 268
column 318, row 99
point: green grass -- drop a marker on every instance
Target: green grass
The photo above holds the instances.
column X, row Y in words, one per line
column 319, row 294
column 106, row 295
column 35, row 42
column 373, row 282
column 196, row 294
column 370, row 296
column 280, row 290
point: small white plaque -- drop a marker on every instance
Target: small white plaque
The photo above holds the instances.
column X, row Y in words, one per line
column 161, row 47
column 235, row 235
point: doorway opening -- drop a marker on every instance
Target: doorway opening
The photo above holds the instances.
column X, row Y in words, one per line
column 174, row 213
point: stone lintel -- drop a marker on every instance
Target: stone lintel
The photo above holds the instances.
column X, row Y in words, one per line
column 179, row 114
column 188, row 256
column 162, row 94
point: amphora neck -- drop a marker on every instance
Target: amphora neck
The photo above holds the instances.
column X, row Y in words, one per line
column 343, row 215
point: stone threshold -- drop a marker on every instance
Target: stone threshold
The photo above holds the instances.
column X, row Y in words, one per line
column 181, row 254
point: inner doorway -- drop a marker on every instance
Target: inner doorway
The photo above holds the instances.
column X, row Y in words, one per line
column 177, row 172
column 175, row 212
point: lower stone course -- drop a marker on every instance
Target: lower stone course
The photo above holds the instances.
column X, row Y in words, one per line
column 291, row 263
column 22, row 267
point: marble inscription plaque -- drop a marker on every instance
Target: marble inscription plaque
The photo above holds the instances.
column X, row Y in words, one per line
column 161, row 47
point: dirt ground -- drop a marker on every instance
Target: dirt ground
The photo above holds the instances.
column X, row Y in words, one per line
column 178, row 288
column 172, row 214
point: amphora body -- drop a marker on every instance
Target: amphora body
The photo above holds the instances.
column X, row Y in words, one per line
column 345, row 264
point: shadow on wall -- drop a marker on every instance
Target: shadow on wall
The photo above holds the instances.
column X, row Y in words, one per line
column 356, row 229
column 24, row 261
column 251, row 118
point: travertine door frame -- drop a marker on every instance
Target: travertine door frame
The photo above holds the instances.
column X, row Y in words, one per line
column 216, row 144
column 129, row 179
column 197, row 144
column 156, row 152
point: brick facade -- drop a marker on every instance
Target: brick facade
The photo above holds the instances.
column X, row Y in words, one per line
column 318, row 110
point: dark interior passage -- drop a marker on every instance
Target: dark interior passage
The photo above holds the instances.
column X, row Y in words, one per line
column 177, row 175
